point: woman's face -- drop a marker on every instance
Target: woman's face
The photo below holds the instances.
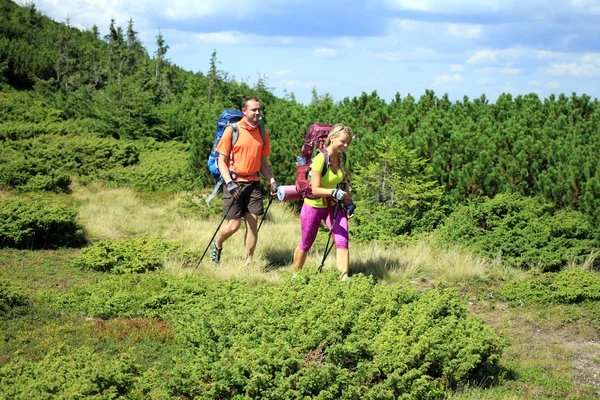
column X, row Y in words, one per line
column 341, row 142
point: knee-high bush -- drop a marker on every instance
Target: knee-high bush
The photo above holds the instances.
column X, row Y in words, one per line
column 525, row 232
column 129, row 255
column 34, row 222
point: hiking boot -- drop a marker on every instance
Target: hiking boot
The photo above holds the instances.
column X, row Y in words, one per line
column 215, row 253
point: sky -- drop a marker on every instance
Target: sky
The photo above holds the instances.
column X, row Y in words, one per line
column 346, row 47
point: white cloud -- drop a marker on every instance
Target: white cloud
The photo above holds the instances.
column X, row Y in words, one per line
column 584, row 70
column 233, row 38
column 593, row 58
column 454, row 6
column 483, row 57
column 325, row 52
column 346, row 42
column 544, row 54
column 510, row 71
column 465, row 31
column 553, row 85
column 456, row 68
column 535, row 83
column 403, row 24
column 226, row 38
column 282, row 73
column 189, row 9
column 483, row 81
column 587, row 6
column 445, row 79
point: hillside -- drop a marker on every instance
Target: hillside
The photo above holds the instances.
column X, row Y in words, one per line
column 473, row 252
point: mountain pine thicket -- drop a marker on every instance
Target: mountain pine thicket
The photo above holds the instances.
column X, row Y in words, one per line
column 73, row 103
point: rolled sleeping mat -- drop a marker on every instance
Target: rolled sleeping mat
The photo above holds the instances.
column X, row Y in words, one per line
column 288, row 192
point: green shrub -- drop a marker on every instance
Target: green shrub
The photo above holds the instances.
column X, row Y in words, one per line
column 314, row 337
column 524, row 231
column 45, row 163
column 68, row 373
column 39, row 222
column 129, row 255
column 10, row 299
column 396, row 194
column 161, row 167
column 564, row 287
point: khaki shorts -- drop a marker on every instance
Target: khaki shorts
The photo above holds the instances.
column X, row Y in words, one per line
column 250, row 200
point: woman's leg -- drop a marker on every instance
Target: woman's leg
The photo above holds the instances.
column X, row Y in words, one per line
column 310, row 219
column 299, row 257
column 340, row 236
column 342, row 262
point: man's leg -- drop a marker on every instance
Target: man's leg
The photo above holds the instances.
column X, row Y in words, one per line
column 233, row 213
column 251, row 236
column 227, row 231
column 252, row 213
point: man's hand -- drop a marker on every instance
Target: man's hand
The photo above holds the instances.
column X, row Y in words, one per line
column 233, row 188
column 274, row 187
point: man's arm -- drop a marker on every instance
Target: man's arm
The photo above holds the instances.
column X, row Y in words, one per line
column 266, row 170
column 223, row 167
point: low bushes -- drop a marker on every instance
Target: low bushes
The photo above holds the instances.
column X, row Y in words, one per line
column 162, row 167
column 10, row 300
column 565, row 287
column 34, row 221
column 130, row 255
column 45, row 163
column 525, row 232
column 69, row 374
column 314, row 337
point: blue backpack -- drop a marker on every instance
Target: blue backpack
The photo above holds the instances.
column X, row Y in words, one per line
column 227, row 118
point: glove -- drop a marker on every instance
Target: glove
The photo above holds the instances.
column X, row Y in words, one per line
column 274, row 187
column 338, row 194
column 232, row 187
column 351, row 209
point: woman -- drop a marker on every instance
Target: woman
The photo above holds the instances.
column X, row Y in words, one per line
column 325, row 188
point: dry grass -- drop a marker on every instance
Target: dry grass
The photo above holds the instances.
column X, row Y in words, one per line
column 109, row 213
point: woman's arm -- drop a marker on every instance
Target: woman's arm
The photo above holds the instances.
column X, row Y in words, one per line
column 318, row 191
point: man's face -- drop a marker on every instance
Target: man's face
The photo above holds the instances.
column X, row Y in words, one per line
column 252, row 112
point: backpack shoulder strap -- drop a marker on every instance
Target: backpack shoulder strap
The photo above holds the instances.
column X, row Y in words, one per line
column 327, row 162
column 235, row 134
column 263, row 134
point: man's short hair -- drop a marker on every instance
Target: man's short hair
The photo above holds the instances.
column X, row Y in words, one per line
column 247, row 99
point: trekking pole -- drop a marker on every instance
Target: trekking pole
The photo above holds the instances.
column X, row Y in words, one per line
column 213, row 236
column 265, row 214
column 327, row 248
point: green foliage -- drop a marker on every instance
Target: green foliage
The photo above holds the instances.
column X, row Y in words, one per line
column 396, row 193
column 315, row 337
column 525, row 232
column 564, row 287
column 161, row 167
column 69, row 373
column 11, row 300
column 39, row 222
column 136, row 255
column 45, row 162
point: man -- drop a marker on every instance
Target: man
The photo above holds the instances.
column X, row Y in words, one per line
column 242, row 193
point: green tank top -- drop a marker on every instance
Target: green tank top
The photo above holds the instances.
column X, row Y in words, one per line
column 328, row 181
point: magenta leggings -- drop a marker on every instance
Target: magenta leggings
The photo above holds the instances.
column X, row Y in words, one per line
column 310, row 220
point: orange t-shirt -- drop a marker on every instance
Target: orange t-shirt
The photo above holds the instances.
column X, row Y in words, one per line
column 247, row 151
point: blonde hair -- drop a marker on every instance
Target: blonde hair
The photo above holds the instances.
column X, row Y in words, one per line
column 336, row 130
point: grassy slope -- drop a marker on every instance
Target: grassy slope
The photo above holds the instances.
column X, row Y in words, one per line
column 554, row 351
